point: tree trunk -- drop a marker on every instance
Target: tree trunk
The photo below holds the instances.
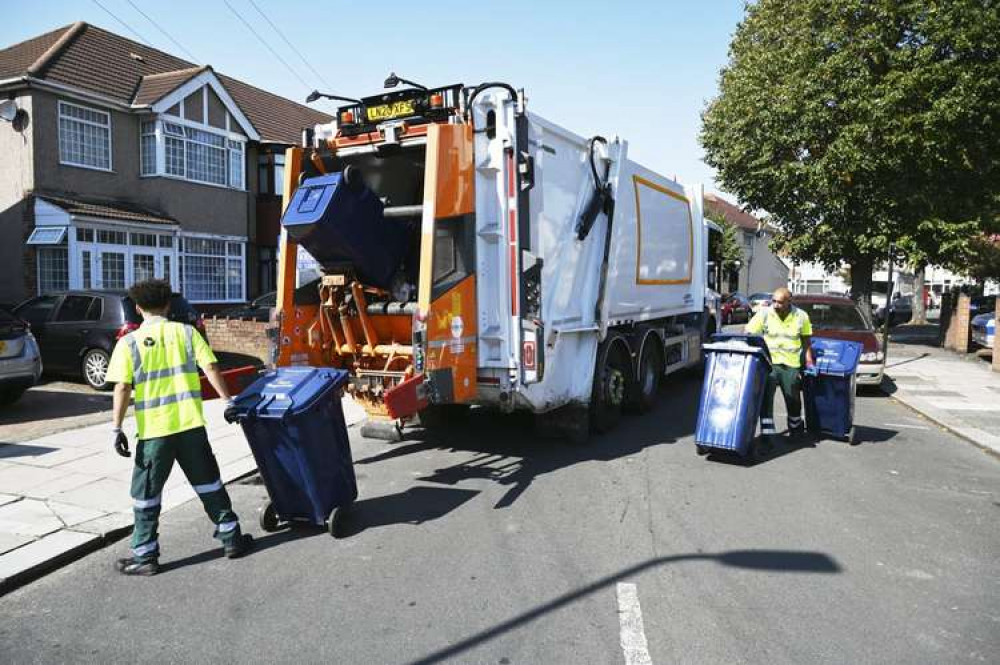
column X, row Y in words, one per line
column 919, row 316
column 861, row 282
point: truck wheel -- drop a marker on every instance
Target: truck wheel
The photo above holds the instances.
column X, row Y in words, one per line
column 650, row 375
column 610, row 385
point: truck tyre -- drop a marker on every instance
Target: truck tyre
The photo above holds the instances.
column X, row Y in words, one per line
column 611, row 382
column 650, row 375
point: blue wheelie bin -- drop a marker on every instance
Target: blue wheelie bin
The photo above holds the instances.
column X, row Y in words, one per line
column 294, row 424
column 828, row 387
column 731, row 393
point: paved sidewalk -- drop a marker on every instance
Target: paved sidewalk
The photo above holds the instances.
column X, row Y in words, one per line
column 958, row 392
column 68, row 493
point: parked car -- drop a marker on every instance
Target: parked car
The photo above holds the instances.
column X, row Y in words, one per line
column 735, row 309
column 837, row 317
column 900, row 311
column 20, row 358
column 984, row 329
column 77, row 330
column 258, row 309
column 982, row 304
column 759, row 300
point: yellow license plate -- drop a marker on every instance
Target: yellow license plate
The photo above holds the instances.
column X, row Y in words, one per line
column 390, row 111
column 3, row 346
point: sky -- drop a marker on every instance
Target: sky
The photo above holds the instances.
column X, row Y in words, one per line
column 642, row 70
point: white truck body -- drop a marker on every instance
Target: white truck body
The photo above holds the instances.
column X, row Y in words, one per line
column 656, row 260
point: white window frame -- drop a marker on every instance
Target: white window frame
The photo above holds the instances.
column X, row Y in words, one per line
column 226, row 241
column 108, row 126
column 228, row 147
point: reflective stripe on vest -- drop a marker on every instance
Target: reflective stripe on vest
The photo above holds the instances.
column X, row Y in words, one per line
column 140, row 375
column 165, row 376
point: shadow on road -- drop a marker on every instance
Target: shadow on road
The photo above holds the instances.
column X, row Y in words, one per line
column 510, row 451
column 866, row 434
column 414, row 506
column 260, row 544
column 780, row 561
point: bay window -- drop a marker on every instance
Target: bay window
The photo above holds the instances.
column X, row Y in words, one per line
column 199, row 154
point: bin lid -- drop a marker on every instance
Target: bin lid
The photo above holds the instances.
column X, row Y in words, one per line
column 835, row 357
column 738, row 343
column 289, row 391
column 310, row 200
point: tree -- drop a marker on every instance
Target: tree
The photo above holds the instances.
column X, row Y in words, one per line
column 727, row 251
column 984, row 258
column 854, row 122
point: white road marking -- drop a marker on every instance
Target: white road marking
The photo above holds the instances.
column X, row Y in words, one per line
column 906, row 426
column 633, row 636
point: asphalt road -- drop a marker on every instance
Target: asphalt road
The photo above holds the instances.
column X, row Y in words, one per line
column 485, row 544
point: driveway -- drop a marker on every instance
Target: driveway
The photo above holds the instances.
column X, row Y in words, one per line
column 53, row 406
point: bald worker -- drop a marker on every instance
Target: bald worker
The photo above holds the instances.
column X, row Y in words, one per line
column 786, row 330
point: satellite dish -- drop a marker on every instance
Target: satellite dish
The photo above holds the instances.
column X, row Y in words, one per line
column 8, row 110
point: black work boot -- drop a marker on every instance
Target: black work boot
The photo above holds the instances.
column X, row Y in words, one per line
column 130, row 566
column 239, row 546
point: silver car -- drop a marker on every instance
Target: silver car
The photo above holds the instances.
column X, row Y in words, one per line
column 20, row 359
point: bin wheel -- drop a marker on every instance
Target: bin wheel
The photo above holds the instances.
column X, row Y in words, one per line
column 701, row 450
column 268, row 518
column 334, row 523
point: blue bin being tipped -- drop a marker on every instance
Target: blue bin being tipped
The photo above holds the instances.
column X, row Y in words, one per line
column 829, row 386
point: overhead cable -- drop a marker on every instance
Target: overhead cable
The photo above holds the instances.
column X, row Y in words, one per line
column 123, row 23
column 165, row 33
column 267, row 45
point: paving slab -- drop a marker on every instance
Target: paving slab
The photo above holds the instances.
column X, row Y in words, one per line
column 109, row 496
column 62, row 482
column 46, row 552
column 18, row 478
column 8, row 498
column 29, row 517
column 11, row 541
column 71, row 515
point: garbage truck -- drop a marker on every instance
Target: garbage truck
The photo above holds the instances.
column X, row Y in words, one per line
column 448, row 248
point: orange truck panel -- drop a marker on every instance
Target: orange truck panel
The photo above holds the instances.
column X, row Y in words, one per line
column 452, row 337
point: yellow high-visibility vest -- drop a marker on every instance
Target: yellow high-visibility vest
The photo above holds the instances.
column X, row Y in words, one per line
column 783, row 337
column 161, row 359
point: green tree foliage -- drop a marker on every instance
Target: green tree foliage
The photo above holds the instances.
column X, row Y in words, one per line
column 984, row 258
column 729, row 250
column 858, row 123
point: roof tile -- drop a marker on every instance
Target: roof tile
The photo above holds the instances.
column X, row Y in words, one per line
column 113, row 66
column 110, row 210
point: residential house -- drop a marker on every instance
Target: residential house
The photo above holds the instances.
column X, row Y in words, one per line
column 760, row 270
column 124, row 162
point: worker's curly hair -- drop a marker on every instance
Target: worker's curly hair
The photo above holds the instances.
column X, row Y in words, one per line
column 151, row 294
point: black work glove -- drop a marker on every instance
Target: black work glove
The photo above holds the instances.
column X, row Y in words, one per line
column 232, row 412
column 121, row 444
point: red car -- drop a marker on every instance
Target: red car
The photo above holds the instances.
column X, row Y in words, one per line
column 838, row 317
column 735, row 309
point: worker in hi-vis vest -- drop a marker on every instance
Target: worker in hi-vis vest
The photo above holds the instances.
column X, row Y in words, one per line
column 159, row 361
column 786, row 330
